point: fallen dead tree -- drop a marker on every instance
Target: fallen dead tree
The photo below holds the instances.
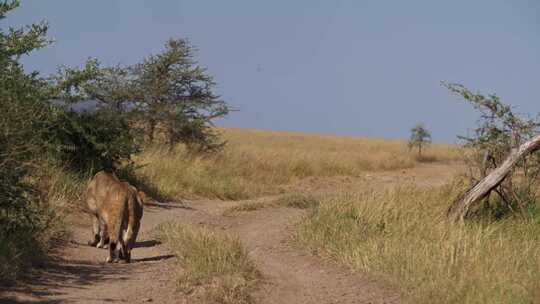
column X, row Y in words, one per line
column 462, row 204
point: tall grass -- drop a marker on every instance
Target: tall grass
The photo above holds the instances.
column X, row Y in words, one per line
column 260, row 162
column 213, row 265
column 400, row 237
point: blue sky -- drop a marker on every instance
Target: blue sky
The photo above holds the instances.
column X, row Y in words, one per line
column 368, row 68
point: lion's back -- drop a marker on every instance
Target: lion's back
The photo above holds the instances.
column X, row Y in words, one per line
column 104, row 192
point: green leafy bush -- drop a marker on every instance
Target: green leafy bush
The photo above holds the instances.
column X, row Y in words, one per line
column 22, row 115
column 90, row 140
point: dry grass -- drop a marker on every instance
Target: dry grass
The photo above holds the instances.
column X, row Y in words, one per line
column 263, row 162
column 246, row 207
column 298, row 200
column 291, row 200
column 213, row 265
column 64, row 189
column 400, row 237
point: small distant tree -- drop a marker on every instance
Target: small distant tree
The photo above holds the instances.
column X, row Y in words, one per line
column 420, row 137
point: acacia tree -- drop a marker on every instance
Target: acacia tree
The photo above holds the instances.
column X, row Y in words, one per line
column 420, row 137
column 173, row 93
column 167, row 94
column 493, row 146
column 97, row 138
column 111, row 86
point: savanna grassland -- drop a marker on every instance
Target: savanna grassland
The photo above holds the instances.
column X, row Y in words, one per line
column 247, row 215
column 262, row 162
column 401, row 236
column 394, row 232
column 384, row 225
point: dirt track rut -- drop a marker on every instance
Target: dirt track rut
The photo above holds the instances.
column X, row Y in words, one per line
column 289, row 275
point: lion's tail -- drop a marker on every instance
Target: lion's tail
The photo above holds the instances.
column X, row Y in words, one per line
column 134, row 212
column 118, row 220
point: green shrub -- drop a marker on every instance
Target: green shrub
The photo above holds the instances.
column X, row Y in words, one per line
column 90, row 140
column 22, row 113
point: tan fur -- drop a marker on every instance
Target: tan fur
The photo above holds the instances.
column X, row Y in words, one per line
column 116, row 210
column 97, row 195
column 134, row 215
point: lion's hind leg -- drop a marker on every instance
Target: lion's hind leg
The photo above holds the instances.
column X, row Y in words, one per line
column 113, row 254
column 96, row 231
column 127, row 244
column 103, row 235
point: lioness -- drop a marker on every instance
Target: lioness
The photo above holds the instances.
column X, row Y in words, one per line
column 116, row 208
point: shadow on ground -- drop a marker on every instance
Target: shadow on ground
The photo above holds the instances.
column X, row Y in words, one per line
column 147, row 244
column 12, row 300
column 153, row 259
column 50, row 279
column 55, row 275
column 168, row 205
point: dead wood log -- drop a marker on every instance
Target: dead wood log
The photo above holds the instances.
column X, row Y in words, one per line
column 461, row 205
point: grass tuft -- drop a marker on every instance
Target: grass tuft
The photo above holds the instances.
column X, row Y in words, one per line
column 214, row 266
column 246, row 207
column 291, row 200
column 298, row 200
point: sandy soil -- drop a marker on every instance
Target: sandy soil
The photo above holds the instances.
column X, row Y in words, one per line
column 289, row 274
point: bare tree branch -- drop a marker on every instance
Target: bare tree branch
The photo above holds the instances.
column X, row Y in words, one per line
column 460, row 207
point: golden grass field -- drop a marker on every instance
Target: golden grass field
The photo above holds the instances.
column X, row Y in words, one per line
column 388, row 226
column 262, row 162
column 396, row 233
column 401, row 237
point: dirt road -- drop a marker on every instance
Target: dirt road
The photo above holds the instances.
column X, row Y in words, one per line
column 290, row 275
